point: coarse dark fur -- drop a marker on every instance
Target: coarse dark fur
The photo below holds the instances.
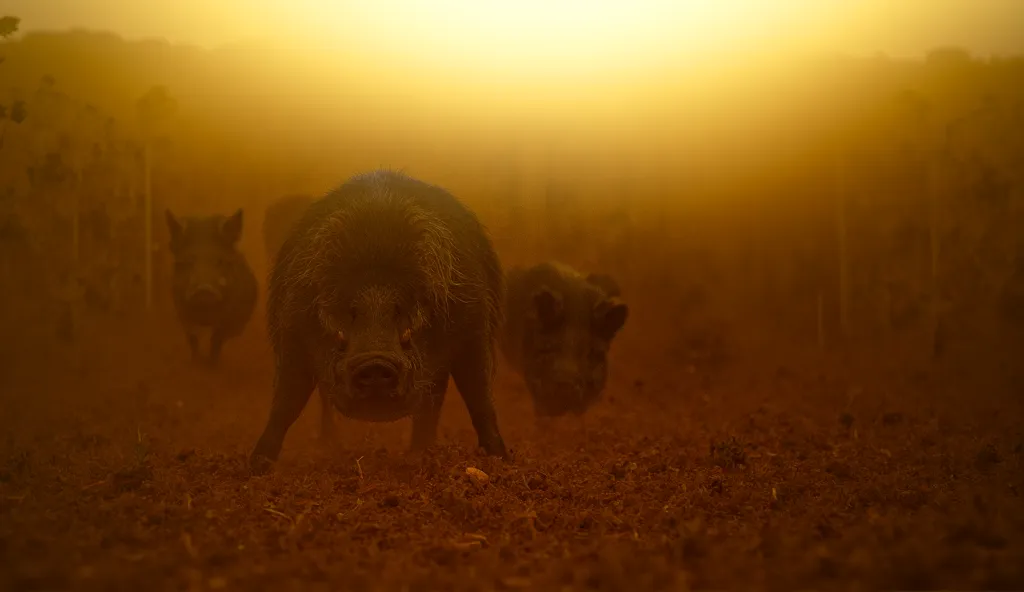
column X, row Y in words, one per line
column 385, row 287
column 606, row 283
column 280, row 216
column 558, row 330
column 213, row 287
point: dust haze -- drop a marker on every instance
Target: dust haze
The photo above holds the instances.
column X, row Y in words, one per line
column 815, row 226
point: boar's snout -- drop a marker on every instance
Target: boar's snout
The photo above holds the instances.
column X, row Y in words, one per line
column 565, row 375
column 374, row 375
column 568, row 388
column 204, row 295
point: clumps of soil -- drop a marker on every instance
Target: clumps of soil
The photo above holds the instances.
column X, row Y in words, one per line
column 654, row 492
column 131, row 478
column 729, row 453
column 892, row 418
column 987, row 457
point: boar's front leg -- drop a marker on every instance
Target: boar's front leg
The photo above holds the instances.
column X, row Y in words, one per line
column 294, row 382
column 193, row 343
column 216, row 343
column 473, row 371
column 426, row 418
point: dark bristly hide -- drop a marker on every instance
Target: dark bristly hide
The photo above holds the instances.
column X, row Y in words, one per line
column 558, row 330
column 383, row 289
column 213, row 287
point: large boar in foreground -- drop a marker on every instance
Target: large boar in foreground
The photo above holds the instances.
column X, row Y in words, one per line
column 278, row 220
column 213, row 287
column 384, row 288
column 558, row 329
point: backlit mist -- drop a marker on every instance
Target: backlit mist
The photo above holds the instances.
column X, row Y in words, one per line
column 751, row 276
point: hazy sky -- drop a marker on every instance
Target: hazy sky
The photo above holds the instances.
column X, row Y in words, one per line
column 897, row 27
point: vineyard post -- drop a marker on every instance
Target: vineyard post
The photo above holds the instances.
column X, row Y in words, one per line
column 156, row 108
column 821, row 320
column 148, row 216
column 76, row 217
column 932, row 188
column 844, row 263
column 933, row 219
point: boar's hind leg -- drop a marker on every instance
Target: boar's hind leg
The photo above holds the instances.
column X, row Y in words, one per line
column 424, row 422
column 293, row 384
column 472, row 371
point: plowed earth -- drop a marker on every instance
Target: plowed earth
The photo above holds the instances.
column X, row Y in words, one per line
column 122, row 466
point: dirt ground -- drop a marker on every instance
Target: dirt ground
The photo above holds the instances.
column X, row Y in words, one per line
column 122, row 466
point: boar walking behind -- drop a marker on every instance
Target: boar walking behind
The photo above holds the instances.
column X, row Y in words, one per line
column 213, row 287
column 382, row 290
column 559, row 327
column 278, row 220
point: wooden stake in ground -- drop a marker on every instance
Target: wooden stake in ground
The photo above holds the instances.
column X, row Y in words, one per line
column 844, row 265
column 933, row 219
column 76, row 217
column 156, row 110
column 932, row 179
column 821, row 320
column 148, row 215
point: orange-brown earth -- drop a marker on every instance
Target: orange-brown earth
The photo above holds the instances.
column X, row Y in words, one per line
column 122, row 466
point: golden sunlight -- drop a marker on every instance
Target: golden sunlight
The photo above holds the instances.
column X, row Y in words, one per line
column 731, row 291
column 545, row 37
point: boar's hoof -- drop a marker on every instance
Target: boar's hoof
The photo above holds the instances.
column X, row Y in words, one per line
column 259, row 465
column 496, row 447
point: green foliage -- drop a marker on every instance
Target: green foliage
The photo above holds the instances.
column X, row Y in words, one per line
column 899, row 113
column 52, row 171
column 9, row 26
column 19, row 111
column 949, row 57
column 155, row 110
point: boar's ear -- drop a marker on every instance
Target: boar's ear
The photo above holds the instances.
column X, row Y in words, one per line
column 173, row 226
column 548, row 304
column 609, row 317
column 231, row 229
column 605, row 282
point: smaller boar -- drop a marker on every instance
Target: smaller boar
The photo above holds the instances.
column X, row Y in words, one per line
column 213, row 287
column 558, row 330
column 280, row 216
